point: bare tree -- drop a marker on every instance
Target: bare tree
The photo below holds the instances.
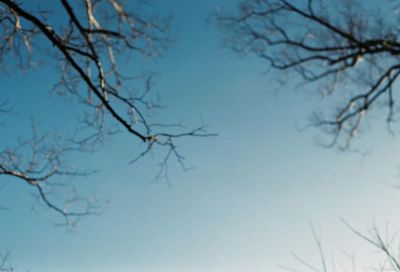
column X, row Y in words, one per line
column 385, row 246
column 342, row 49
column 85, row 41
column 346, row 50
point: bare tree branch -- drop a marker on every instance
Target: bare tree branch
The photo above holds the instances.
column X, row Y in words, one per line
column 87, row 47
column 352, row 52
column 40, row 161
column 4, row 262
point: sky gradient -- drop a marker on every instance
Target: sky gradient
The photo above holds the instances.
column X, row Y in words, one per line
column 247, row 204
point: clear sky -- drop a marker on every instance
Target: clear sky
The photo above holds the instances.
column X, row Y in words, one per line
column 247, row 204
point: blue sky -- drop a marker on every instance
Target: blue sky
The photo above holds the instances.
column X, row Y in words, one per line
column 246, row 205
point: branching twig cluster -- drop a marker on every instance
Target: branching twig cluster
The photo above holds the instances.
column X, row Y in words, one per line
column 41, row 162
column 352, row 51
column 386, row 246
column 88, row 40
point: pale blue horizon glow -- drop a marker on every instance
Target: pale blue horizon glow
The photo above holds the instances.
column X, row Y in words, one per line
column 247, row 204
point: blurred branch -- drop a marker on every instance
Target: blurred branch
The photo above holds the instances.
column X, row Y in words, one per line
column 345, row 48
column 4, row 262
